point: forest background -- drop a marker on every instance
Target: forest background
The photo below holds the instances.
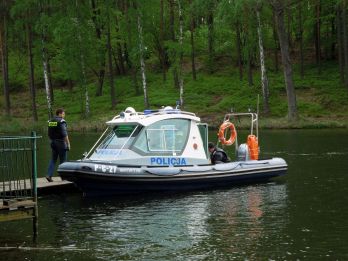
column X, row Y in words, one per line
column 94, row 58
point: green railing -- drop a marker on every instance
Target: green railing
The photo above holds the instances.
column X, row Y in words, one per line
column 18, row 178
column 18, row 167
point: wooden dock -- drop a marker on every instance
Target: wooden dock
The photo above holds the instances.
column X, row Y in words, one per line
column 43, row 186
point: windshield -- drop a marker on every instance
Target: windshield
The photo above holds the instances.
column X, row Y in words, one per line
column 163, row 137
column 118, row 138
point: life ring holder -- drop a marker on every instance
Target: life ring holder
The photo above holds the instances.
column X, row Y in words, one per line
column 221, row 134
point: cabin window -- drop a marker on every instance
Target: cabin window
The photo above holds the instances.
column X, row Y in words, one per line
column 166, row 136
column 118, row 138
column 203, row 130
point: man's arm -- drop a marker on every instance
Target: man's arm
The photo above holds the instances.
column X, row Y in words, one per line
column 67, row 142
column 65, row 133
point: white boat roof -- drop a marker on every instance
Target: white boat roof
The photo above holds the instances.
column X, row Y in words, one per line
column 148, row 117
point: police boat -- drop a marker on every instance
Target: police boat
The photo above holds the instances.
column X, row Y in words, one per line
column 166, row 150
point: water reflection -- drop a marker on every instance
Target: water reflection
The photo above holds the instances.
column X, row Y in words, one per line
column 302, row 215
column 218, row 223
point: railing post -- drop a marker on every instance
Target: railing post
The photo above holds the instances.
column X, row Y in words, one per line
column 34, row 185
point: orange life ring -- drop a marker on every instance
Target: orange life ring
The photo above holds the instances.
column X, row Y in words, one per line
column 221, row 134
column 253, row 145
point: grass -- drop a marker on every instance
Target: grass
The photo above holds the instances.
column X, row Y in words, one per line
column 322, row 102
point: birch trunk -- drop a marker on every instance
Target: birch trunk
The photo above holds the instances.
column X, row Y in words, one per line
column 284, row 48
column 4, row 59
column 47, row 84
column 264, row 79
column 31, row 72
column 181, row 77
column 142, row 63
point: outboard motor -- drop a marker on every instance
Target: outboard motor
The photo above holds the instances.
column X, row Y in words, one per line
column 243, row 152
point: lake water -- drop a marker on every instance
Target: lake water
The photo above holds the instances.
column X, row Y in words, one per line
column 302, row 215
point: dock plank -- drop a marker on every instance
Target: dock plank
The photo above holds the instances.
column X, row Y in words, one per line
column 42, row 184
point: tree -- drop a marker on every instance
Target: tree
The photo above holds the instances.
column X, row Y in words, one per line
column 300, row 34
column 31, row 68
column 264, row 79
column 181, row 77
column 4, row 54
column 98, row 24
column 111, row 76
column 142, row 62
column 284, row 48
column 173, row 39
column 192, row 29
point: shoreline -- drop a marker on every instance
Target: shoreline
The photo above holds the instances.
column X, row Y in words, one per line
column 15, row 125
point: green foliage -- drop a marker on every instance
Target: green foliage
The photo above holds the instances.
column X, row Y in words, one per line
column 68, row 30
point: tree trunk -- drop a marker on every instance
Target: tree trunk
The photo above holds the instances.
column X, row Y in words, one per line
column 333, row 42
column 301, row 40
column 264, row 79
column 276, row 44
column 163, row 51
column 210, row 22
column 83, row 66
column 172, row 34
column 31, row 72
column 181, row 76
column 111, row 76
column 4, row 59
column 47, row 84
column 129, row 43
column 284, row 48
column 239, row 51
column 317, row 36
column 192, row 40
column 288, row 15
column 98, row 31
column 70, row 84
column 50, row 77
column 250, row 69
column 340, row 43
column 142, row 63
column 119, row 49
column 345, row 42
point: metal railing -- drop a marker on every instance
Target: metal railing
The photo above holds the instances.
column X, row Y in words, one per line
column 18, row 179
column 18, row 167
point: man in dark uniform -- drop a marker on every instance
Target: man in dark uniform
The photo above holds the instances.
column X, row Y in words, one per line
column 60, row 144
column 217, row 155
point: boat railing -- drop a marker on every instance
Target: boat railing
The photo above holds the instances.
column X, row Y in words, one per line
column 254, row 124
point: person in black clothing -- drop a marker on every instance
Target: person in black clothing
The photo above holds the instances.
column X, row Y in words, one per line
column 60, row 144
column 217, row 155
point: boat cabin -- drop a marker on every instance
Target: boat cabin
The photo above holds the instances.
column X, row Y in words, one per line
column 166, row 137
